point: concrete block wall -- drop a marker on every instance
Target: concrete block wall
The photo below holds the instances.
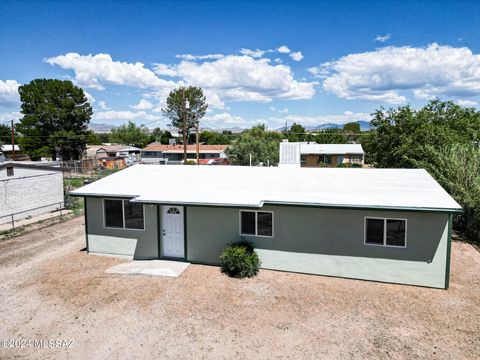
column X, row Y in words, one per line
column 29, row 189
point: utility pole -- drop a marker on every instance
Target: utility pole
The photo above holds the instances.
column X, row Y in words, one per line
column 197, row 144
column 184, row 120
column 13, row 143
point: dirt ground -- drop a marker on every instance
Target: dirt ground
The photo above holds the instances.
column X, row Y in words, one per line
column 52, row 290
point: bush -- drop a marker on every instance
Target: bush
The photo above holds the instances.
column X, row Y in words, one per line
column 240, row 260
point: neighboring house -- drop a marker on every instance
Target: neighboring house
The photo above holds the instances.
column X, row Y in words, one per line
column 309, row 154
column 28, row 190
column 112, row 162
column 156, row 153
column 6, row 149
column 390, row 225
column 101, row 151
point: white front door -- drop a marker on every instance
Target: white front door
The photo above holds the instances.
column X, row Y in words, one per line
column 173, row 238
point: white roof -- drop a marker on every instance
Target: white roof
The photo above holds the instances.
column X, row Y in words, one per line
column 312, row 148
column 242, row 186
column 9, row 147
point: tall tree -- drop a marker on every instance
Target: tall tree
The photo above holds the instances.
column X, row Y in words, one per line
column 296, row 133
column 5, row 134
column 55, row 119
column 130, row 134
column 352, row 127
column 400, row 136
column 182, row 116
column 261, row 144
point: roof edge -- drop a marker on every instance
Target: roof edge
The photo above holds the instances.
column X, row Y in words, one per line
column 279, row 203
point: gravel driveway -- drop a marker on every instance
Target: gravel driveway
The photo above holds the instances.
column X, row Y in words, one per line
column 51, row 290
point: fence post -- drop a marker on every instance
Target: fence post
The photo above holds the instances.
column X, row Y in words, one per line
column 13, row 226
column 61, row 214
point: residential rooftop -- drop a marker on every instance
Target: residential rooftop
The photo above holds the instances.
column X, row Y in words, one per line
column 242, row 186
column 339, row 149
column 179, row 148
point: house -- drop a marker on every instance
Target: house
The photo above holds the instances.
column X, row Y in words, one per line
column 6, row 149
column 390, row 225
column 112, row 162
column 101, row 151
column 308, row 154
column 28, row 189
column 156, row 153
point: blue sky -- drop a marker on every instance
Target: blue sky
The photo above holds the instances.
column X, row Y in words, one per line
column 270, row 62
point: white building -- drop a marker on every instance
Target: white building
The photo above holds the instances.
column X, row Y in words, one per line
column 309, row 154
column 28, row 190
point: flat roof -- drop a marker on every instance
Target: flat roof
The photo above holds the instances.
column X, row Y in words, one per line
column 313, row 148
column 243, row 186
column 179, row 148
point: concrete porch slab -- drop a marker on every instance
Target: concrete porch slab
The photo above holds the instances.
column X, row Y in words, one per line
column 150, row 267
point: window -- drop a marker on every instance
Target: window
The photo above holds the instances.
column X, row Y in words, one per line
column 133, row 215
column 256, row 223
column 386, row 232
column 123, row 214
column 324, row 159
column 303, row 160
column 173, row 211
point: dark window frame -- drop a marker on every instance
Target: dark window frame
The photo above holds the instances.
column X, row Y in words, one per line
column 123, row 216
column 385, row 220
column 256, row 223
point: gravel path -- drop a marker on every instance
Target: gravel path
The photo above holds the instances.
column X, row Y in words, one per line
column 51, row 290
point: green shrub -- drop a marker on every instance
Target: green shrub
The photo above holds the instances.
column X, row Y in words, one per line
column 240, row 260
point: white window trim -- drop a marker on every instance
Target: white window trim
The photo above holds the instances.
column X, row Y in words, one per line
column 384, row 232
column 123, row 216
column 256, row 223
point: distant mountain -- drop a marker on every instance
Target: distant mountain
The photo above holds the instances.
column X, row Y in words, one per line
column 101, row 128
column 364, row 126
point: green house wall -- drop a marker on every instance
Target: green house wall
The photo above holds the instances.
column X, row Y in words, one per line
column 139, row 244
column 308, row 240
column 328, row 242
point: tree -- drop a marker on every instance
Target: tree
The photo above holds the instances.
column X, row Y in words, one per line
column 457, row 168
column 296, row 133
column 5, row 134
column 352, row 127
column 211, row 138
column 400, row 136
column 53, row 109
column 130, row 134
column 182, row 117
column 261, row 144
column 331, row 136
column 93, row 138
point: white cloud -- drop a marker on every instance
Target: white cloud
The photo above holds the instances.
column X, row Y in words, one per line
column 190, row 57
column 243, row 78
column 383, row 38
column 143, row 105
column 389, row 74
column 253, row 53
column 9, row 92
column 92, row 71
column 283, row 49
column 103, row 105
column 89, row 97
column 222, row 77
column 225, row 119
column 466, row 103
column 297, row 56
column 164, row 70
column 9, row 116
column 347, row 116
column 281, row 111
column 125, row 115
